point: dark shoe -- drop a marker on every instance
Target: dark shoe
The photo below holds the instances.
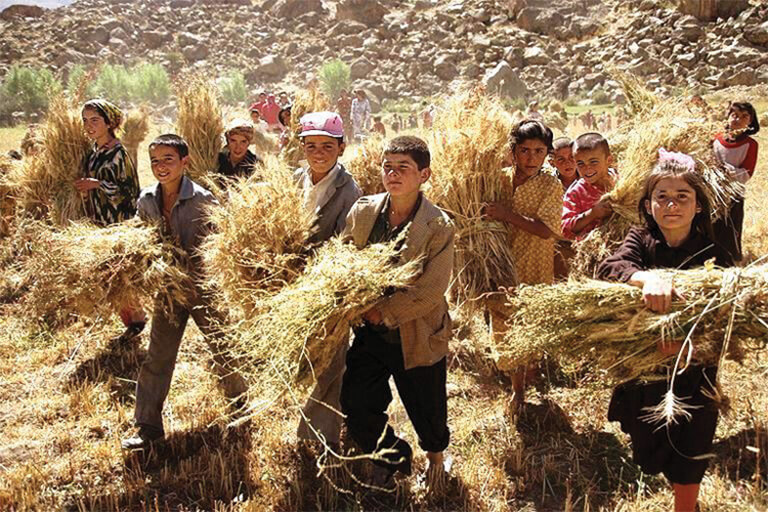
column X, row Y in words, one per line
column 131, row 332
column 143, row 438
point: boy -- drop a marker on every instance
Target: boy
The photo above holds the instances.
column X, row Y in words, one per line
column 236, row 160
column 329, row 192
column 178, row 204
column 406, row 334
column 561, row 159
column 582, row 209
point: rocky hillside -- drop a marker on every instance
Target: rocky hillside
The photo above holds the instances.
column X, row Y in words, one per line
column 407, row 47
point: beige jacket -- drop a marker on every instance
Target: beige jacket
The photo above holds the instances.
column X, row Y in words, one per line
column 420, row 311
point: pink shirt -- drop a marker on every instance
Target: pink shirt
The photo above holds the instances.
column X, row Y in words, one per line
column 580, row 197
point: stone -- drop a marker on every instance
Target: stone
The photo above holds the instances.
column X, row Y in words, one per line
column 687, row 59
column 504, row 81
column 368, row 12
column 21, row 11
column 743, row 77
column 295, row 8
column 535, row 55
column 98, row 35
column 272, row 65
column 360, row 68
column 710, row 10
column 757, row 34
column 154, row 39
column 445, row 69
column 194, row 53
column 189, row 39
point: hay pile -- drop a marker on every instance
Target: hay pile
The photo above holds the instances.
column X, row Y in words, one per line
column 305, row 101
column 134, row 130
column 7, row 200
column 258, row 241
column 200, row 123
column 363, row 161
column 89, row 270
column 468, row 144
column 607, row 325
column 298, row 329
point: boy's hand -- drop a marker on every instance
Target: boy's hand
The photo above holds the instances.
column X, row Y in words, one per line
column 494, row 211
column 86, row 184
column 658, row 294
column 602, row 209
column 373, row 317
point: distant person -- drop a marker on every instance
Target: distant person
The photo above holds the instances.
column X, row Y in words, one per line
column 533, row 112
column 269, row 113
column 285, row 121
column 361, row 113
column 258, row 122
column 378, row 126
column 344, row 109
column 283, row 100
column 427, row 115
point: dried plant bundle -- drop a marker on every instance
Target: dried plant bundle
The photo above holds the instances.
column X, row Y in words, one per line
column 134, row 130
column 299, row 329
column 8, row 167
column 90, row 270
column 305, row 101
column 258, row 240
column 363, row 161
column 200, row 123
column 607, row 324
column 468, row 144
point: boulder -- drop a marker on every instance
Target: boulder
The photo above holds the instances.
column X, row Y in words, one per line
column 757, row 34
column 504, row 81
column 98, row 35
column 194, row 53
column 710, row 10
column 687, row 59
column 189, row 39
column 154, row 39
column 272, row 66
column 535, row 55
column 368, row 12
column 445, row 69
column 360, row 68
column 295, row 8
column 21, row 11
column 181, row 4
column 541, row 21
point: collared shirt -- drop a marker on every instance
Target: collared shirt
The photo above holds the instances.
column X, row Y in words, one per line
column 382, row 231
column 316, row 195
column 189, row 219
column 580, row 197
column 115, row 199
column 244, row 167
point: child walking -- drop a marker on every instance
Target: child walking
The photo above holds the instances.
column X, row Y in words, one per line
column 678, row 234
column 737, row 150
column 405, row 336
column 179, row 205
column 110, row 184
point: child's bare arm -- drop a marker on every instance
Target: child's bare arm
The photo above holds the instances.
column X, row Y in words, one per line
column 657, row 291
column 600, row 211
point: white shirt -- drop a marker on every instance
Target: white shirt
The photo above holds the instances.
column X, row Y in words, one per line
column 317, row 195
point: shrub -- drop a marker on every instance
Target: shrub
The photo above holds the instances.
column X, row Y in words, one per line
column 150, row 83
column 27, row 89
column 334, row 76
column 232, row 88
column 114, row 83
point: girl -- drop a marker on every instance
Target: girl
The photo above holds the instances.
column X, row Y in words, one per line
column 678, row 234
column 361, row 115
column 532, row 207
column 110, row 183
column 737, row 151
column 236, row 160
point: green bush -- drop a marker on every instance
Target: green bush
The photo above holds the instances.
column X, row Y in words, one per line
column 74, row 80
column 27, row 89
column 114, row 83
column 600, row 97
column 150, row 83
column 334, row 76
column 233, row 89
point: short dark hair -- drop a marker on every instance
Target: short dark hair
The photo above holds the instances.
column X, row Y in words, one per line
column 340, row 140
column 172, row 141
column 412, row 146
column 745, row 106
column 530, row 129
column 590, row 141
column 561, row 142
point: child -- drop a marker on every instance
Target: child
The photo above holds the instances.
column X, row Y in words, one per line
column 582, row 209
column 110, row 184
column 179, row 205
column 285, row 121
column 378, row 126
column 236, row 160
column 329, row 193
column 678, row 234
column 360, row 113
column 532, row 206
column 562, row 159
column 738, row 152
column 405, row 336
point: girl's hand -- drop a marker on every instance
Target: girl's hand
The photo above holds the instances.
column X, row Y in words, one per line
column 494, row 211
column 86, row 184
column 658, row 293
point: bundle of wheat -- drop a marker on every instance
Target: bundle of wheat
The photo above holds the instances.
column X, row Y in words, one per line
column 363, row 162
column 469, row 142
column 134, row 130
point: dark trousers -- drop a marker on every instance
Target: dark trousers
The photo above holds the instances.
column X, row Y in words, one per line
column 155, row 374
column 365, row 396
column 728, row 229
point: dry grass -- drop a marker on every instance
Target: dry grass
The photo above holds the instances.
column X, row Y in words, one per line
column 134, row 130
column 258, row 243
column 200, row 123
column 363, row 161
column 468, row 144
column 7, row 199
column 304, row 102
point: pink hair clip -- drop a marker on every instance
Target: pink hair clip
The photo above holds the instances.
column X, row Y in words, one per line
column 680, row 158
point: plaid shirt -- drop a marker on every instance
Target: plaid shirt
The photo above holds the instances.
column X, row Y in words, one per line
column 421, row 311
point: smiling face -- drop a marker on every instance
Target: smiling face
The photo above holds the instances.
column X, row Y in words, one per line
column 593, row 165
column 673, row 204
column 167, row 166
column 401, row 175
column 96, row 128
column 738, row 119
column 238, row 146
column 529, row 156
column 322, row 152
column 564, row 162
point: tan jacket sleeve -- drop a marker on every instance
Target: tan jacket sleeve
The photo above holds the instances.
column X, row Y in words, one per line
column 429, row 289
